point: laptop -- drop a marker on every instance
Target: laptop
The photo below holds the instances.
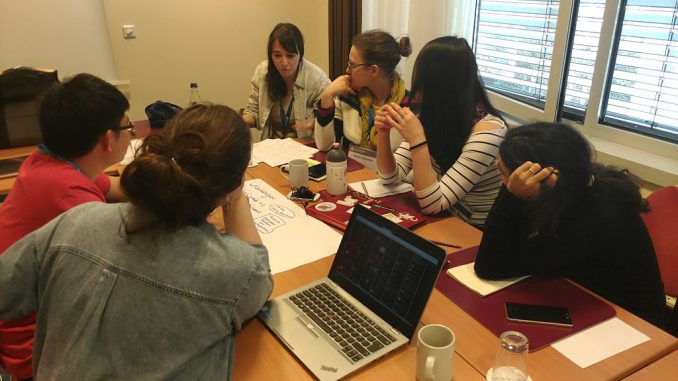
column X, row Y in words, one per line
column 10, row 167
column 368, row 306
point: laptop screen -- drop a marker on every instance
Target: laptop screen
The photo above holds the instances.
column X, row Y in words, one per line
column 387, row 268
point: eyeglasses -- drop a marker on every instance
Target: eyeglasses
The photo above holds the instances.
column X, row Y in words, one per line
column 351, row 66
column 129, row 126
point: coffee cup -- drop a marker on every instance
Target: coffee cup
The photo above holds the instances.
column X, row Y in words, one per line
column 298, row 172
column 435, row 351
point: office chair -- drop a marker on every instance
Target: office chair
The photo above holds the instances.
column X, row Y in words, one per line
column 20, row 92
column 662, row 224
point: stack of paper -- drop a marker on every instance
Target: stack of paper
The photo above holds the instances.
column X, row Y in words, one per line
column 374, row 188
column 275, row 152
column 466, row 275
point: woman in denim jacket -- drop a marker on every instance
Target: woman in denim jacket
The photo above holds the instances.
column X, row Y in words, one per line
column 285, row 88
column 148, row 290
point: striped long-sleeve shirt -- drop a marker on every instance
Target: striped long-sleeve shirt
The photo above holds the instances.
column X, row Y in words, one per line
column 471, row 184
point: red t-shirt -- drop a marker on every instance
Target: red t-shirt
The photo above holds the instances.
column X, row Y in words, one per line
column 45, row 187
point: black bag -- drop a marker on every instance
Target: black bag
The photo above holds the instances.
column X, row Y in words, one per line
column 160, row 112
column 20, row 95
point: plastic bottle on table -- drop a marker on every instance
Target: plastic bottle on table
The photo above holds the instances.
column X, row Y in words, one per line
column 336, row 170
column 195, row 95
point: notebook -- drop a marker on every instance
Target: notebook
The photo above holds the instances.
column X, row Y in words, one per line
column 369, row 304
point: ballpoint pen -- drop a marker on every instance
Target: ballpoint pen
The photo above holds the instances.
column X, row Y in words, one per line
column 441, row 243
column 382, row 207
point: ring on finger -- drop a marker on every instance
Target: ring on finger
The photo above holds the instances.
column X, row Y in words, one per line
column 530, row 170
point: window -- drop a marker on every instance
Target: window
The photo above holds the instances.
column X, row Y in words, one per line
column 535, row 52
column 513, row 46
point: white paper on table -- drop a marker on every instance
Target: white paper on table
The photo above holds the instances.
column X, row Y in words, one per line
column 374, row 188
column 275, row 152
column 131, row 150
column 600, row 342
column 466, row 275
column 291, row 237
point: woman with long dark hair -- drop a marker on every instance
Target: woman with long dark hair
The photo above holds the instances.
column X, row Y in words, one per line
column 450, row 147
column 148, row 290
column 561, row 213
column 285, row 87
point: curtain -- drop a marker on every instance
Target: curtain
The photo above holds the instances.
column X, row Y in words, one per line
column 345, row 22
column 421, row 20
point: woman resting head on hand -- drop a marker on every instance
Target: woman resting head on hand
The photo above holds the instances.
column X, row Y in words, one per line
column 561, row 213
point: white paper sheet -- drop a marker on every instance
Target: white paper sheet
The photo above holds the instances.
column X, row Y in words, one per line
column 374, row 188
column 467, row 276
column 275, row 152
column 600, row 342
column 131, row 149
column 292, row 237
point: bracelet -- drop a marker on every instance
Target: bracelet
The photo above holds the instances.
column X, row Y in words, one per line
column 412, row 148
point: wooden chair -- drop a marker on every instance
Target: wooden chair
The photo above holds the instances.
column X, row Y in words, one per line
column 662, row 224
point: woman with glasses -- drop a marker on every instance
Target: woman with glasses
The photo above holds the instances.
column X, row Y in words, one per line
column 450, row 146
column 348, row 106
column 561, row 213
column 148, row 290
column 285, row 87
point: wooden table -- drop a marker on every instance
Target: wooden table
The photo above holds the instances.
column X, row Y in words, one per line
column 666, row 368
column 259, row 355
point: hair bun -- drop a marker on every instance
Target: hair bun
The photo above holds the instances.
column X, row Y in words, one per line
column 404, row 46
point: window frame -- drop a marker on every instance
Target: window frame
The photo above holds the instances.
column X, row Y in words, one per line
column 653, row 159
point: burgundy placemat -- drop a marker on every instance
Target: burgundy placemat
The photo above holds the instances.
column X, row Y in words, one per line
column 351, row 165
column 404, row 205
column 585, row 309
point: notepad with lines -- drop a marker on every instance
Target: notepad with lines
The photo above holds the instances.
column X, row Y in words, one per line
column 466, row 275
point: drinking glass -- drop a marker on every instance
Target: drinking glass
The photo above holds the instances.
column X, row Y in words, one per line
column 511, row 361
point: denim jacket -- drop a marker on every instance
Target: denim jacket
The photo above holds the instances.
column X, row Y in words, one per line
column 310, row 83
column 149, row 306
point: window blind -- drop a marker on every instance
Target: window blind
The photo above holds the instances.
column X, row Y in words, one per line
column 643, row 91
column 514, row 45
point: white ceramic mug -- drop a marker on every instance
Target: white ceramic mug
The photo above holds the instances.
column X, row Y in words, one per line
column 435, row 351
column 298, row 172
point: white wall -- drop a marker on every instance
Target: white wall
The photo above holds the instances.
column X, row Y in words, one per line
column 67, row 35
column 215, row 43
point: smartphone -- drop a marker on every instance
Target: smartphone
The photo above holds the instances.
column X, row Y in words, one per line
column 317, row 172
column 539, row 314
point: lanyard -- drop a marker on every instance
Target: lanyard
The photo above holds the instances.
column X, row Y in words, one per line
column 370, row 122
column 285, row 117
column 43, row 148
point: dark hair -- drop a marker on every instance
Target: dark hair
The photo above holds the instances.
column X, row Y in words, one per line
column 291, row 39
column 381, row 49
column 178, row 179
column 562, row 147
column 445, row 78
column 76, row 112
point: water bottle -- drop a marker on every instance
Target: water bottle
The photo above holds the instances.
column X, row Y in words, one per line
column 195, row 95
column 336, row 170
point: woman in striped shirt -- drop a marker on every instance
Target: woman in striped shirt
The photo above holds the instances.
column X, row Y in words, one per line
column 451, row 146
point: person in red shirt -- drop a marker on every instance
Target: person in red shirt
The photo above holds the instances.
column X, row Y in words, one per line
column 85, row 130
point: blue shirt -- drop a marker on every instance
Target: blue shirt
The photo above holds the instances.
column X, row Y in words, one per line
column 153, row 305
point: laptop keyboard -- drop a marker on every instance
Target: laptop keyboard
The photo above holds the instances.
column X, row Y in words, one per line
column 356, row 335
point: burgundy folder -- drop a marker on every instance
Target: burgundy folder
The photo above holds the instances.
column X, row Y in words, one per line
column 585, row 309
column 404, row 205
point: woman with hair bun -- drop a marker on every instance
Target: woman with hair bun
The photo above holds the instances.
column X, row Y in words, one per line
column 148, row 289
column 348, row 105
column 561, row 213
